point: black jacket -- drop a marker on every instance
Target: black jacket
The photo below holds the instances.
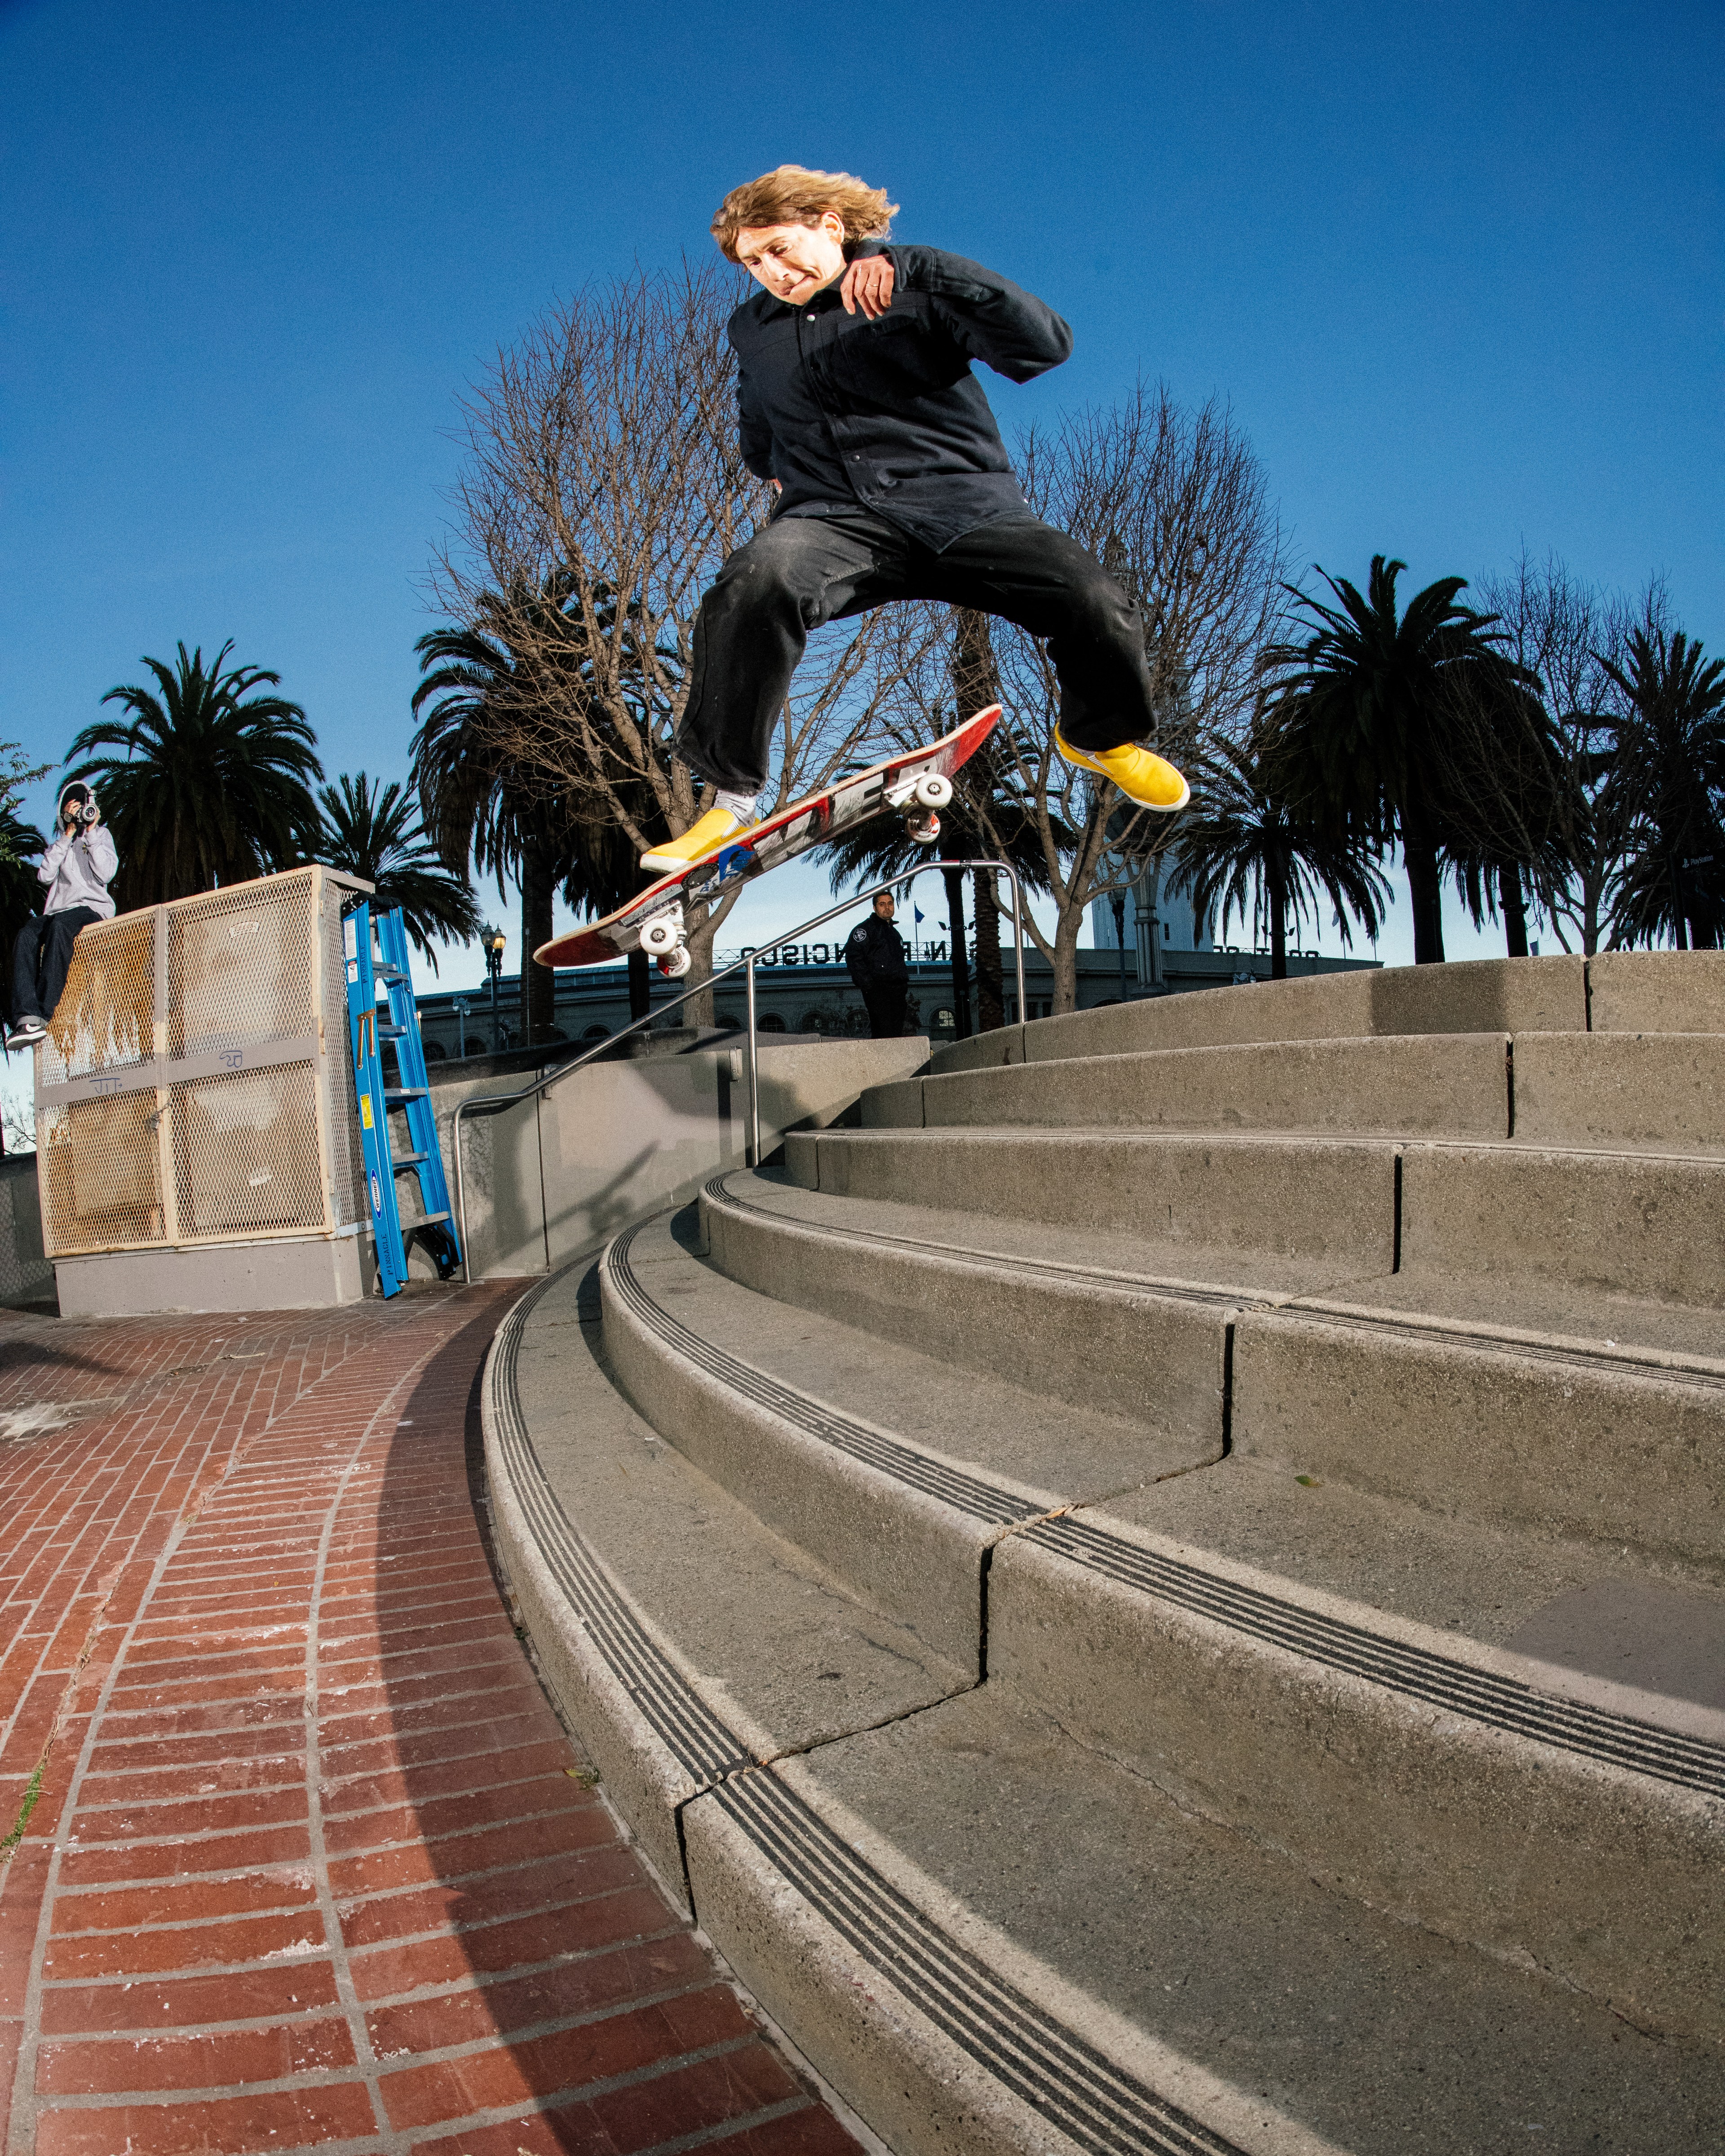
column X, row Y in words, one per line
column 875, row 951
column 887, row 414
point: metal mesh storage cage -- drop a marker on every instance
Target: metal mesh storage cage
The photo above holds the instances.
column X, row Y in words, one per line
column 196, row 1085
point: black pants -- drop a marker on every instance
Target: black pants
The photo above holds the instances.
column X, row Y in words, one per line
column 40, row 959
column 802, row 570
column 884, row 1001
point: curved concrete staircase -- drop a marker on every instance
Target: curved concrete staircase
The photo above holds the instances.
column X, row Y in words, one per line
column 1167, row 1592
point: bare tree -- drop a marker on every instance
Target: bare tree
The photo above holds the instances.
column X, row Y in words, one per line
column 1173, row 502
column 1569, row 635
column 603, row 460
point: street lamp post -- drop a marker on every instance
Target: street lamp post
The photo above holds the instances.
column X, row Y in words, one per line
column 494, row 940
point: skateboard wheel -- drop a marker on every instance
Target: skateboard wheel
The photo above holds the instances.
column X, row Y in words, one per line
column 658, row 936
column 932, row 790
column 675, row 965
column 924, row 829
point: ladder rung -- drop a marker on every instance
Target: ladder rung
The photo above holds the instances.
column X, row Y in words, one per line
column 383, row 972
column 421, row 1220
column 402, row 1160
column 392, row 1093
column 387, row 1032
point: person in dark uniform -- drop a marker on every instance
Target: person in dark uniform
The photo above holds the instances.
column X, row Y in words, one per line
column 875, row 953
column 858, row 405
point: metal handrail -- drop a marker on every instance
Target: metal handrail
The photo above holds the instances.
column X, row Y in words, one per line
column 745, row 965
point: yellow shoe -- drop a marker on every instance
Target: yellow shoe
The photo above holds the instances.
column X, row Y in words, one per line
column 705, row 836
column 1143, row 776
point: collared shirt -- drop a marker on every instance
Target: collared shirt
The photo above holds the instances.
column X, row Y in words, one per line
column 887, row 414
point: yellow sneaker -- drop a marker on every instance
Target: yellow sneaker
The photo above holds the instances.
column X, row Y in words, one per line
column 705, row 836
column 1143, row 776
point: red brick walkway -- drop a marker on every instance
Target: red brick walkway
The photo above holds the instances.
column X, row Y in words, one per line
column 301, row 1857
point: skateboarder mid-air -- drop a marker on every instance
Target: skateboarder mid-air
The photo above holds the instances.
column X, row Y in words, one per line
column 858, row 405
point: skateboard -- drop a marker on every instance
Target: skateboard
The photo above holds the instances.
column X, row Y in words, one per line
column 917, row 784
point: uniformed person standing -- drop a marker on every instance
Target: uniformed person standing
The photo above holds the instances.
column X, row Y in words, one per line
column 875, row 953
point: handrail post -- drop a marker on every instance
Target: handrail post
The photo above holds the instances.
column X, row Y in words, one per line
column 754, row 1130
column 1018, row 934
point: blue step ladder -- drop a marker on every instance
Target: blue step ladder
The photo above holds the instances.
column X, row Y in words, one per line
column 376, row 950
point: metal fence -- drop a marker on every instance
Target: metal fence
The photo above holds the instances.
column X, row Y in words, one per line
column 194, row 1085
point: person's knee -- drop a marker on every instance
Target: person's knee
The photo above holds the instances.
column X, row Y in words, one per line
column 783, row 565
column 1099, row 605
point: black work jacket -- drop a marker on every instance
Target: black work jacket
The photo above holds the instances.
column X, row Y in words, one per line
column 886, row 414
column 875, row 951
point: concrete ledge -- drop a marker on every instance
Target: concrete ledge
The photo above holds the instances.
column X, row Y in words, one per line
column 311, row 1272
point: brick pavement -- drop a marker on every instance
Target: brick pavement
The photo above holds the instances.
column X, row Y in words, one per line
column 300, row 1857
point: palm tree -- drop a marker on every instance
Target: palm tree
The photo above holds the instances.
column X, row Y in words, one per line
column 478, row 802
column 370, row 830
column 209, row 783
column 1359, row 730
column 1668, row 780
column 1239, row 838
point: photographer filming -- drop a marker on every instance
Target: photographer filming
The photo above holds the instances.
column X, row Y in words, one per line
column 77, row 869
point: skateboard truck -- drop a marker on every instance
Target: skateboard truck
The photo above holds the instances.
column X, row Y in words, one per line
column 662, row 938
column 917, row 799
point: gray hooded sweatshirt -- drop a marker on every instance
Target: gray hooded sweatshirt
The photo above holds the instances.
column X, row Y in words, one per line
column 77, row 869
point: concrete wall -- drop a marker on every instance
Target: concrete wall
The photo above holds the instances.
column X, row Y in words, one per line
column 553, row 1178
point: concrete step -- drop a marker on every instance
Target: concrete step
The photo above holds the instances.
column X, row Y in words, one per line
column 1510, row 1403
column 988, row 1936
column 1455, row 1086
column 1313, row 1705
column 1646, row 1225
column 903, row 1489
column 681, row 1637
column 1653, row 1092
column 1617, row 992
column 1307, row 1197
column 1133, row 1978
column 1516, row 1741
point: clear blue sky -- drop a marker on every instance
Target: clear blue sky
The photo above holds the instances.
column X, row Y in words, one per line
column 1458, row 271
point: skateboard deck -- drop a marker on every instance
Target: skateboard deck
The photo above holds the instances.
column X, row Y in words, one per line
column 917, row 784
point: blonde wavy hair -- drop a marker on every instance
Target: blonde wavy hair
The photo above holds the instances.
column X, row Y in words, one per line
column 794, row 194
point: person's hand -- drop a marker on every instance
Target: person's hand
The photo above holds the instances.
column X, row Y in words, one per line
column 866, row 286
